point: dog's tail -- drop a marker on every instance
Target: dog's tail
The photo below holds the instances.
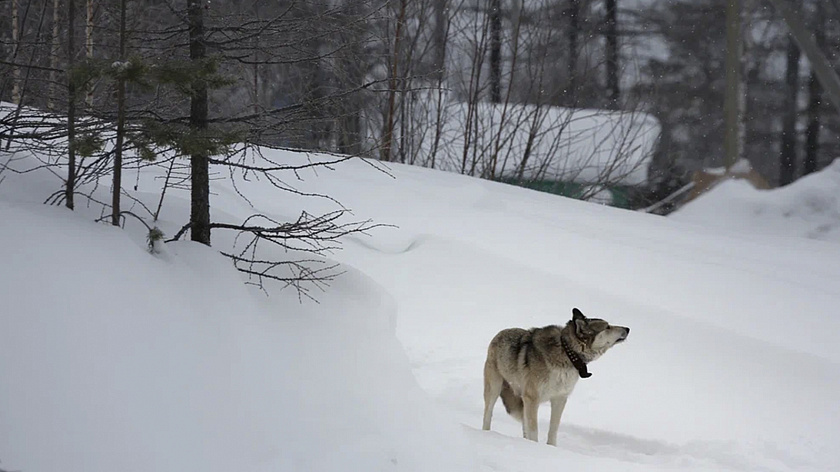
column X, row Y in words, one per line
column 512, row 401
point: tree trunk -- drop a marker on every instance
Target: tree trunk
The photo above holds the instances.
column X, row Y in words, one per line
column 732, row 107
column 388, row 131
column 89, row 49
column 611, row 26
column 440, row 34
column 71, row 107
column 746, row 74
column 118, row 152
column 199, row 163
column 787, row 163
column 574, row 34
column 348, row 126
column 54, row 52
column 812, row 133
column 495, row 51
column 16, row 46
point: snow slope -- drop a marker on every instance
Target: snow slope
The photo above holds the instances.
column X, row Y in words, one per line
column 809, row 207
column 732, row 363
column 167, row 362
column 112, row 359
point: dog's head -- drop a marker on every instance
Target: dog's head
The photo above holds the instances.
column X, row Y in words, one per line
column 596, row 333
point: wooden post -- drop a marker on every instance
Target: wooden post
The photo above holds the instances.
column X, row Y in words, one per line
column 731, row 106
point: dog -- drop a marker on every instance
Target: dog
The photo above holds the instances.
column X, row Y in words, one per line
column 528, row 367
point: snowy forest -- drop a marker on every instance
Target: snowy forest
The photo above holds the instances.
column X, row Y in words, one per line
column 487, row 89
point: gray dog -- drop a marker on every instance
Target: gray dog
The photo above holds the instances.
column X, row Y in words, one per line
column 528, row 367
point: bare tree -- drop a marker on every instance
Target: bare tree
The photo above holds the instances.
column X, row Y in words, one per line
column 524, row 137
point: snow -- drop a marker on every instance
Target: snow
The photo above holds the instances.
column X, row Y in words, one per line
column 112, row 358
column 810, row 207
column 742, row 166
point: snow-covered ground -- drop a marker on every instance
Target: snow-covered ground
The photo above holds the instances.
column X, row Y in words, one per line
column 112, row 359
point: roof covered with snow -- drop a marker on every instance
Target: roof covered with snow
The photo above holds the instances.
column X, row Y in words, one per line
column 546, row 143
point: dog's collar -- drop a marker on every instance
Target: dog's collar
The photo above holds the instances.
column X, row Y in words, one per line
column 575, row 358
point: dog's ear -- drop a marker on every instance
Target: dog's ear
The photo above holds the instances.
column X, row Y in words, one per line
column 582, row 329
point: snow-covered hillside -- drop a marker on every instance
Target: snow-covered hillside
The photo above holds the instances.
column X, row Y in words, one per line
column 810, row 207
column 112, row 359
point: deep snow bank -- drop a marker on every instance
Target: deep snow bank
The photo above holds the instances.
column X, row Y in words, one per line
column 112, row 359
column 809, row 207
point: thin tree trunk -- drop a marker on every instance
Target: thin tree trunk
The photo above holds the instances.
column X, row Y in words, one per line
column 388, row 132
column 812, row 132
column 348, row 126
column 745, row 74
column 256, row 70
column 574, row 35
column 54, row 52
column 815, row 91
column 118, row 154
column 732, row 107
column 611, row 24
column 495, row 51
column 439, row 35
column 787, row 163
column 314, row 88
column 89, row 50
column 71, row 106
column 16, row 46
column 199, row 163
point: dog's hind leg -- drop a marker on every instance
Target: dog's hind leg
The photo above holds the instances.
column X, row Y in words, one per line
column 529, row 418
column 493, row 382
column 558, row 404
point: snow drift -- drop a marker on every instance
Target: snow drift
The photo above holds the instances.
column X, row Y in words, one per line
column 112, row 359
column 809, row 207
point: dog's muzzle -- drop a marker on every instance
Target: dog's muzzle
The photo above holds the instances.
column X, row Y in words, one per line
column 624, row 335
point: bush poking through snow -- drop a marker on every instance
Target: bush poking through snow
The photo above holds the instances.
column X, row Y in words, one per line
column 154, row 239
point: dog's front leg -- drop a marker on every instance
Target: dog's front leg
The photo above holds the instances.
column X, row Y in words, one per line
column 557, row 406
column 529, row 420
